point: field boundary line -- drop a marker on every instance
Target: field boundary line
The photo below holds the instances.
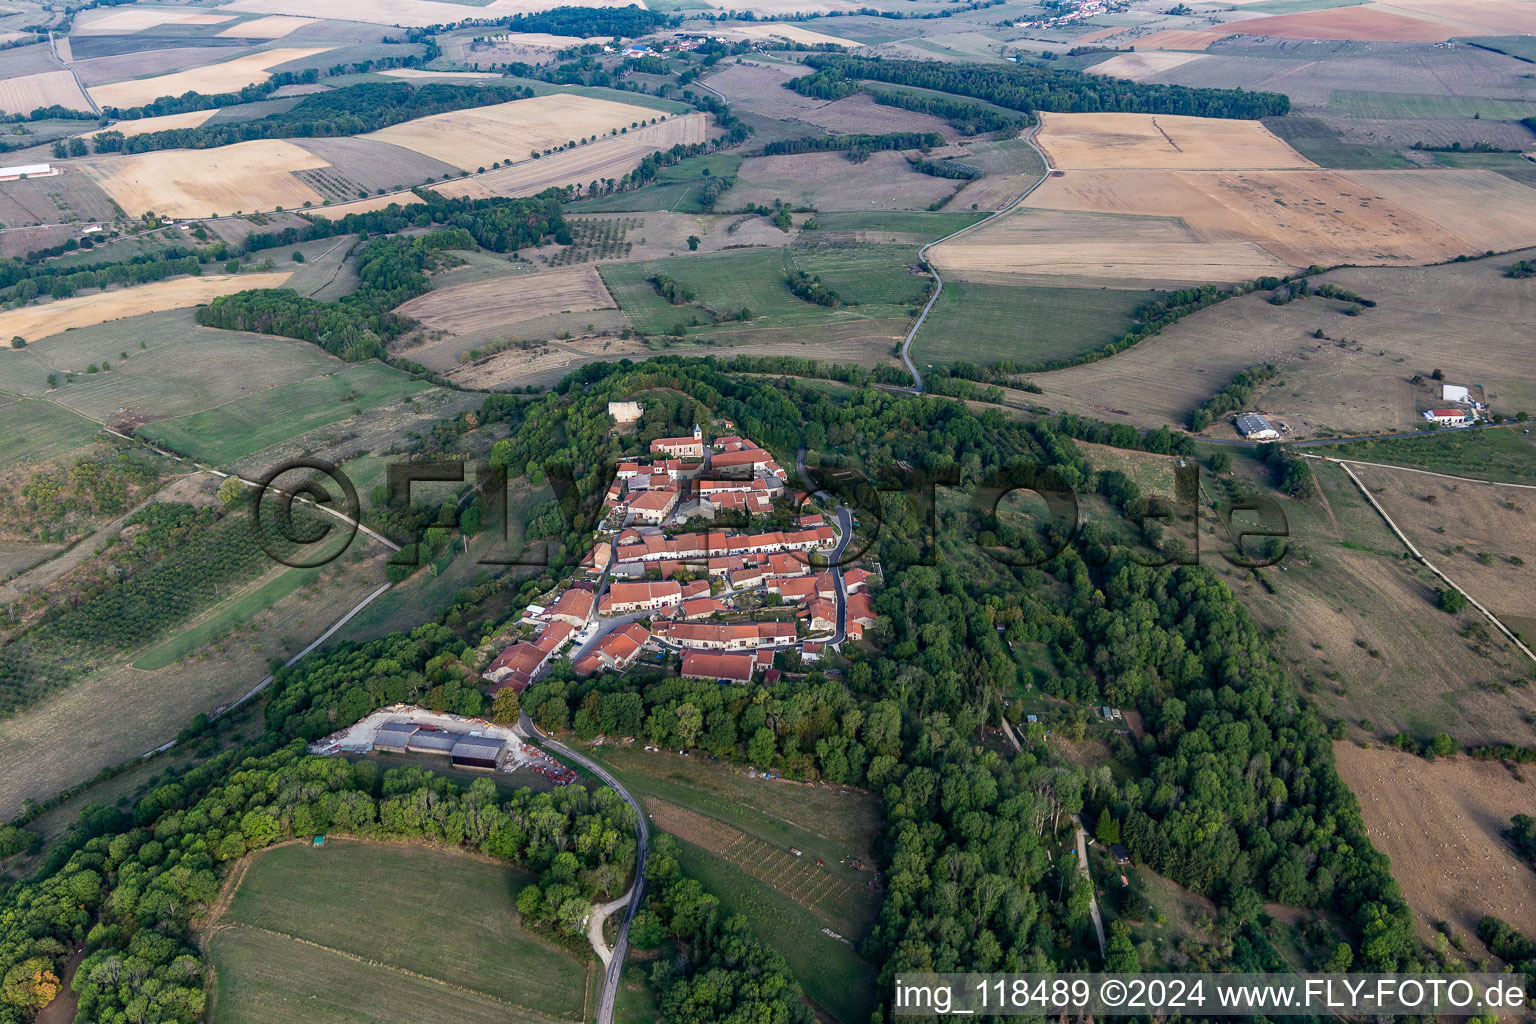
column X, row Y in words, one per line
column 1425, row 472
column 407, row 972
column 1498, row 624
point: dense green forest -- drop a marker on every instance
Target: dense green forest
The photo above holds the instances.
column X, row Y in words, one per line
column 1033, row 88
column 626, row 22
column 354, row 110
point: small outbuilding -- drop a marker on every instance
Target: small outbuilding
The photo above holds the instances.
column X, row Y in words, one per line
column 1120, row 853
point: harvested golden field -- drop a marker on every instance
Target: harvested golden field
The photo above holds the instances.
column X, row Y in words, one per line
column 1470, row 531
column 1179, row 39
column 611, row 157
column 1036, row 246
column 1440, row 823
column 1298, row 217
column 166, row 122
column 1464, row 318
column 271, row 27
column 405, row 13
column 338, row 210
column 510, row 131
column 482, row 305
column 1162, row 141
column 123, row 20
column 793, row 33
column 1368, row 21
column 33, row 322
column 246, row 177
column 1141, row 66
column 1472, row 17
column 28, row 92
column 229, row 76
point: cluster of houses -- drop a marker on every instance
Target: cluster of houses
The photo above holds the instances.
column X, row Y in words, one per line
column 1082, row 11
column 685, row 583
column 679, row 483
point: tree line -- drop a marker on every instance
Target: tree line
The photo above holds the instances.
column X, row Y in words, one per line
column 866, row 143
column 1233, row 396
column 967, row 118
column 353, row 110
column 1029, row 88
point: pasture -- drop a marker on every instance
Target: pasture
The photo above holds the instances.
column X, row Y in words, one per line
column 182, row 368
column 482, row 136
column 26, row 93
column 1392, row 105
column 247, row 425
column 830, row 181
column 895, row 226
column 874, row 277
column 246, row 177
column 1480, row 535
column 40, row 431
column 1440, row 823
column 1358, row 629
column 1504, row 456
column 983, row 323
column 1161, row 141
column 271, row 27
column 60, row 315
column 228, row 76
column 446, row 917
column 1462, row 318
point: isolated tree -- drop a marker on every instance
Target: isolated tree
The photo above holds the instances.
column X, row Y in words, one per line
column 231, row 492
column 693, row 243
column 1452, row 600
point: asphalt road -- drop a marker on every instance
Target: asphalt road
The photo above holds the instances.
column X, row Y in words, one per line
column 637, row 891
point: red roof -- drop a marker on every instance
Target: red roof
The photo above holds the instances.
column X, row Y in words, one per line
column 1447, row 412
column 575, row 602
column 736, row 668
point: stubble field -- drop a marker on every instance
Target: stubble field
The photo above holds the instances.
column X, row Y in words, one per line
column 480, row 137
column 1440, row 823
column 229, row 76
column 26, row 93
column 246, row 177
column 50, row 318
column 1162, row 141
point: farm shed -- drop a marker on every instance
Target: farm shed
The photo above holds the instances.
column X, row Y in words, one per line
column 25, row 171
column 1255, row 427
column 477, row 752
column 1454, row 393
column 425, row 742
column 394, row 736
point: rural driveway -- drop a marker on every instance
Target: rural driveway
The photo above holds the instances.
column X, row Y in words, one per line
column 1093, row 899
column 615, row 964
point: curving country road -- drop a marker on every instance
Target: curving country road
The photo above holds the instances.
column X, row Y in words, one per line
column 922, row 254
column 636, row 892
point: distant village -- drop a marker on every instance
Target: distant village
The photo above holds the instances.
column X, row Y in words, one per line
column 659, row 580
